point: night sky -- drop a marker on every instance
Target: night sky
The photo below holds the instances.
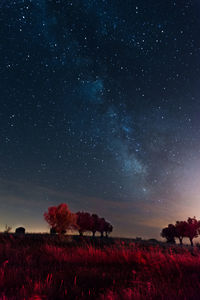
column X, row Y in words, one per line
column 100, row 109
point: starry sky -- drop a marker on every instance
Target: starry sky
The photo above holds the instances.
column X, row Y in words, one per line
column 100, row 109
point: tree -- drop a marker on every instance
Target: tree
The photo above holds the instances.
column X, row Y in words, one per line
column 192, row 229
column 169, row 233
column 7, row 229
column 60, row 218
column 181, row 230
column 108, row 228
column 95, row 224
column 101, row 226
column 84, row 222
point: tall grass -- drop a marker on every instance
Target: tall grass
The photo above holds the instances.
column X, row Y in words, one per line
column 45, row 267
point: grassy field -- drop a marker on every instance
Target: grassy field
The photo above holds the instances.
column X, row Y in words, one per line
column 45, row 267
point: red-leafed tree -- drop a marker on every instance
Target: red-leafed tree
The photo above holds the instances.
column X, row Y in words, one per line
column 60, row 218
column 84, row 222
column 181, row 227
column 189, row 229
column 192, row 229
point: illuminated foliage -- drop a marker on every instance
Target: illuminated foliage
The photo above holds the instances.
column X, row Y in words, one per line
column 60, row 218
column 180, row 230
column 192, row 227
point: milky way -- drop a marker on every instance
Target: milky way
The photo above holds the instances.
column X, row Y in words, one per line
column 100, row 109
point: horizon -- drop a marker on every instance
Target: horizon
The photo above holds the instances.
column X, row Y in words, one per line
column 100, row 110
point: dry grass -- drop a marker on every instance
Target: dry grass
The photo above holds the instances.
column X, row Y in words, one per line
column 44, row 267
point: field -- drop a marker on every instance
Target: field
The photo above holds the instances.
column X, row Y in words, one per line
column 47, row 267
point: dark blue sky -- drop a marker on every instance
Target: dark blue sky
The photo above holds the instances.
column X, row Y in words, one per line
column 100, row 109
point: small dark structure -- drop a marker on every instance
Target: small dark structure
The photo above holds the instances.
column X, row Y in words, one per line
column 153, row 241
column 20, row 231
column 52, row 231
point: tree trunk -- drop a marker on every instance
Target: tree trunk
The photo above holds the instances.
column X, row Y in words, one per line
column 191, row 242
column 80, row 233
column 93, row 233
column 181, row 241
column 102, row 234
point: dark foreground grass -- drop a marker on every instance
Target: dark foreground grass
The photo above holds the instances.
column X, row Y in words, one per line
column 45, row 267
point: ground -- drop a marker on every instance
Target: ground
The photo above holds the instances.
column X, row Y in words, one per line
column 49, row 267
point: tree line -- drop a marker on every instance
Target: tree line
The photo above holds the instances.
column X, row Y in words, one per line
column 61, row 219
column 182, row 229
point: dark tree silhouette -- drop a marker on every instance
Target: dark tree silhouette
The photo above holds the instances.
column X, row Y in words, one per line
column 7, row 229
column 169, row 233
column 108, row 228
column 84, row 222
column 101, row 226
column 95, row 224
column 60, row 218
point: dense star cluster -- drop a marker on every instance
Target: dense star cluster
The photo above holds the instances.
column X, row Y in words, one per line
column 100, row 102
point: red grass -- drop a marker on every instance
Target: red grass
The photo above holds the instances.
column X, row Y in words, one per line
column 41, row 267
